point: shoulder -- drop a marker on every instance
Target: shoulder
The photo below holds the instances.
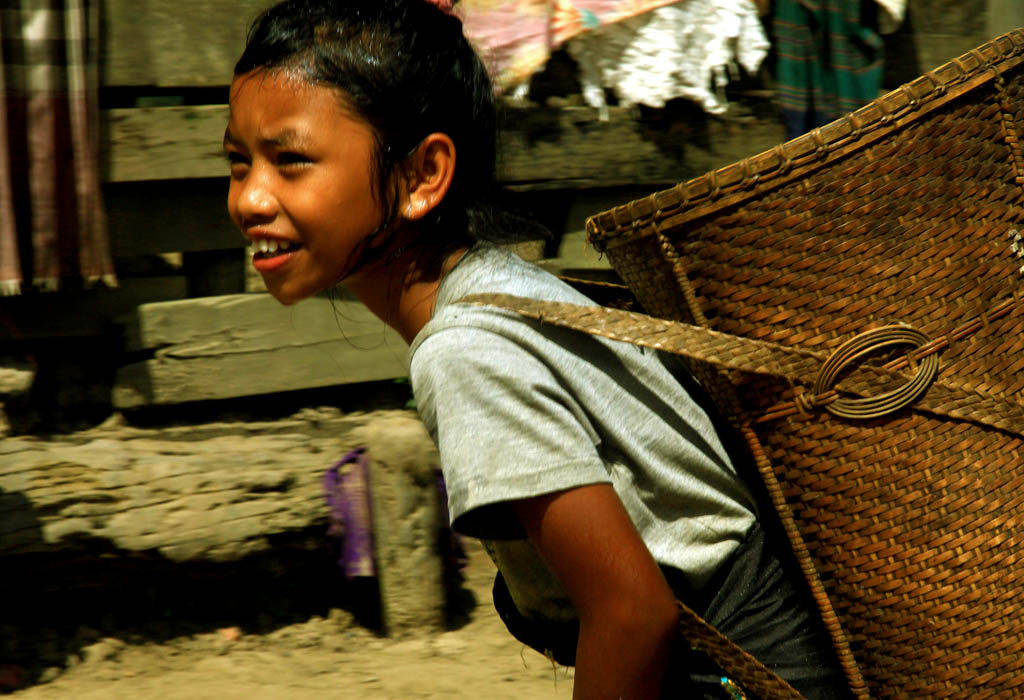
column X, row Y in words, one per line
column 483, row 333
column 482, row 352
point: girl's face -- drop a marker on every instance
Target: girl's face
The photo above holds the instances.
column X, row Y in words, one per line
column 302, row 188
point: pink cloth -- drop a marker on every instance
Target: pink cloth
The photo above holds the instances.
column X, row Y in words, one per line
column 52, row 221
column 516, row 37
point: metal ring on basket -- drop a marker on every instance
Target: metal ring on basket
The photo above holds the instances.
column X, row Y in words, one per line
column 890, row 401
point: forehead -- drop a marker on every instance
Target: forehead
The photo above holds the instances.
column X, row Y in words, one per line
column 284, row 99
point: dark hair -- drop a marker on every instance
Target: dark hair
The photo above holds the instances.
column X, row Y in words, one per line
column 406, row 68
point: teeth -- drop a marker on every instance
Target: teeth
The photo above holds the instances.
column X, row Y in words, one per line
column 269, row 246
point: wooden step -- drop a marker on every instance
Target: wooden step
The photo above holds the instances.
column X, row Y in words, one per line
column 249, row 344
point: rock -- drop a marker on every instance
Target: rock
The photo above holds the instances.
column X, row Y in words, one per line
column 340, row 619
column 49, row 674
column 116, row 421
column 107, row 649
column 230, row 634
column 16, row 380
column 449, row 644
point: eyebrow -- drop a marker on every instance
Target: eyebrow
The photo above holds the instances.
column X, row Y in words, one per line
column 286, row 138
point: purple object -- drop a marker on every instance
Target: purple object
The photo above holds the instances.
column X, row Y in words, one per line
column 347, row 490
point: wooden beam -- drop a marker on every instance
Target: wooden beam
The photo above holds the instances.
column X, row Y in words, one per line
column 541, row 148
column 170, row 216
column 83, row 313
column 248, row 344
column 568, row 147
column 165, row 143
column 185, row 43
column 222, row 492
column 941, row 30
column 1004, row 16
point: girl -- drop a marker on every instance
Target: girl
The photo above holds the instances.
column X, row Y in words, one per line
column 362, row 150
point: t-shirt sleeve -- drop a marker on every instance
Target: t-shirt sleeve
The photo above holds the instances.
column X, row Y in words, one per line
column 505, row 427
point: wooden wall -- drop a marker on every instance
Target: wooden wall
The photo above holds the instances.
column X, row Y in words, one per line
column 165, row 70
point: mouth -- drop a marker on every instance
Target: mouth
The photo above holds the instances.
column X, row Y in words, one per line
column 270, row 253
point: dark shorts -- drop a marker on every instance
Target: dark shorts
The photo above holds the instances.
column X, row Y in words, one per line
column 753, row 599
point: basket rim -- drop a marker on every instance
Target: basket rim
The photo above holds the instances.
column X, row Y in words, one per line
column 749, row 177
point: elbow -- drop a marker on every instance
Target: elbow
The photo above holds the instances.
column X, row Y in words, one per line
column 640, row 616
column 663, row 620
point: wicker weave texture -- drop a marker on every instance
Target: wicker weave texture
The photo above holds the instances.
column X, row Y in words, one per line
column 914, row 526
column 909, row 211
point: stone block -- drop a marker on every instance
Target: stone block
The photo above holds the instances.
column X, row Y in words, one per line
column 406, row 516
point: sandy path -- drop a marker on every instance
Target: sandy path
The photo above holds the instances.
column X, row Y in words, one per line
column 321, row 658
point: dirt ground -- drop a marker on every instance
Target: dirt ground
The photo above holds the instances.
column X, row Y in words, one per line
column 104, row 625
column 321, row 657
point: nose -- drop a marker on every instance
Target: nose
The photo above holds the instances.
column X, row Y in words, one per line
column 252, row 197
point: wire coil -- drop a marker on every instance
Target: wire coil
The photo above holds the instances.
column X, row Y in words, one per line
column 865, row 344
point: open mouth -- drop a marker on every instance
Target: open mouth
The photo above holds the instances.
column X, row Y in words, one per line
column 266, row 248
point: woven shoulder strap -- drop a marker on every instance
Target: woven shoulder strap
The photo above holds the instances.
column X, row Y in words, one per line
column 812, row 374
column 743, row 668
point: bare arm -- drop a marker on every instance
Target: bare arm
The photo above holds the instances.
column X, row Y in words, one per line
column 627, row 611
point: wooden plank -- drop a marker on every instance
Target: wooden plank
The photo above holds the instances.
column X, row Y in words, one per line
column 935, row 32
column 165, row 143
column 169, row 217
column 571, row 147
column 1004, row 16
column 215, row 272
column 190, row 43
column 963, row 18
column 248, row 344
column 541, row 147
column 79, row 314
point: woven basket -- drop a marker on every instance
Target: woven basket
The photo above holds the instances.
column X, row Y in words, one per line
column 865, row 286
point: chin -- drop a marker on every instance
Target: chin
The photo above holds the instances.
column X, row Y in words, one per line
column 287, row 296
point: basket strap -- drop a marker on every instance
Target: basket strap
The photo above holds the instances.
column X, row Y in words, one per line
column 733, row 659
column 798, row 367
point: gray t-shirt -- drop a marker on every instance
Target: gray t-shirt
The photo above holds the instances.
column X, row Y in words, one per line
column 520, row 409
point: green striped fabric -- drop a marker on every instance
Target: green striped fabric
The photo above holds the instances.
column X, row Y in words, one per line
column 828, row 59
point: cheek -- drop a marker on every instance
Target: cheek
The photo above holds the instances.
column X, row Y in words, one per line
column 348, row 213
column 232, row 202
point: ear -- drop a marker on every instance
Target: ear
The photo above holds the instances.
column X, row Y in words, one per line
column 428, row 176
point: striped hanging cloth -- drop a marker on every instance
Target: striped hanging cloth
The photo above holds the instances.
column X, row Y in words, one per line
column 829, row 60
column 53, row 228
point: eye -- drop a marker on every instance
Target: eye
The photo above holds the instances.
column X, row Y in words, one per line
column 292, row 158
column 235, row 159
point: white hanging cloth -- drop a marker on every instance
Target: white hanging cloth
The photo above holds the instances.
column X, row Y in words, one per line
column 686, row 49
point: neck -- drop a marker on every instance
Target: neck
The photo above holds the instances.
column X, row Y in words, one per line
column 401, row 288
